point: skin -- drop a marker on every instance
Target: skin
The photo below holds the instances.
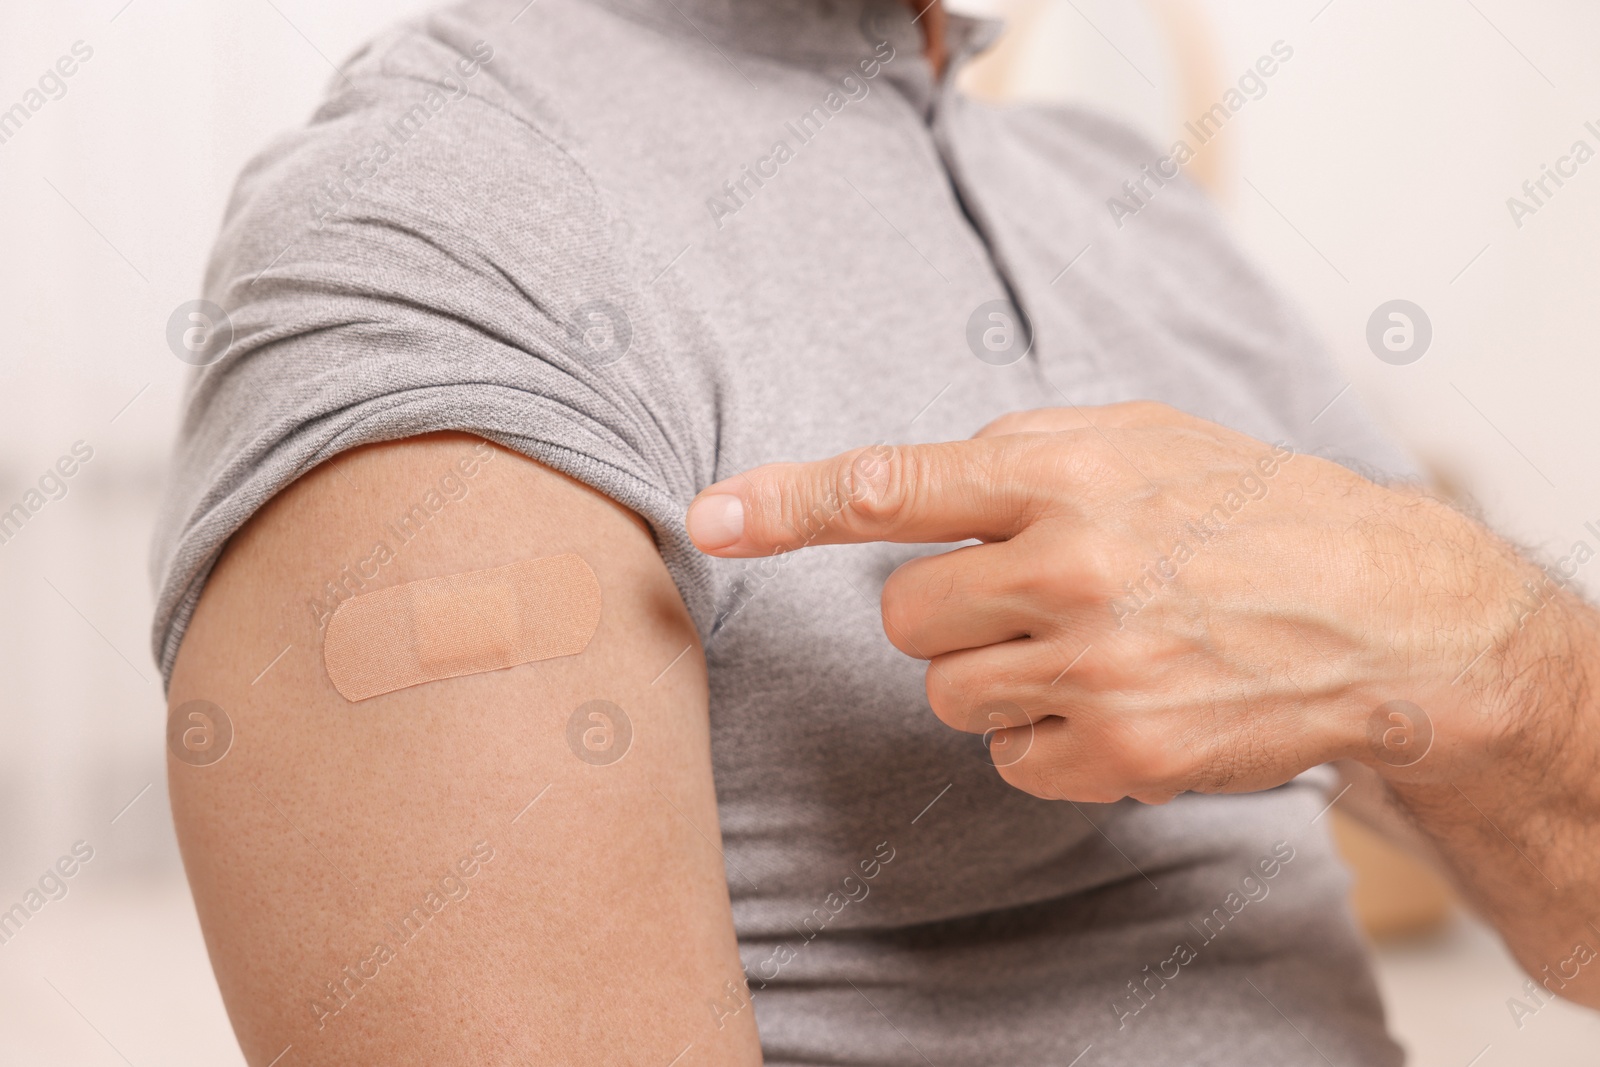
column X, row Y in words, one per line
column 1106, row 663
column 931, row 16
column 600, row 930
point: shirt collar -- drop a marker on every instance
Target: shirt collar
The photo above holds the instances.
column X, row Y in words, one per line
column 806, row 31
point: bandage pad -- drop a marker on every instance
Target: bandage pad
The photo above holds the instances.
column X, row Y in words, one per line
column 460, row 624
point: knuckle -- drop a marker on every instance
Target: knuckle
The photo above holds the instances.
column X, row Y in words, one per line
column 902, row 613
column 1028, row 775
column 1078, row 459
column 1092, row 570
column 1055, row 584
column 1103, row 565
column 877, row 484
column 1105, row 668
column 1030, row 457
column 1137, row 412
column 1100, row 459
column 1156, row 411
column 1143, row 758
column 1009, row 423
column 1036, row 420
column 956, row 691
column 947, row 704
column 1115, row 741
column 1059, row 766
column 1168, row 763
column 1119, row 748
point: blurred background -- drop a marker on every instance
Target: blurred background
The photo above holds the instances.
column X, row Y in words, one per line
column 1376, row 166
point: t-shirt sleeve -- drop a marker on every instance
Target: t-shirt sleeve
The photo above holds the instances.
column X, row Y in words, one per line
column 422, row 258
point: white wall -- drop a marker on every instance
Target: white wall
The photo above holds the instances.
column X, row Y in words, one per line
column 112, row 195
column 109, row 199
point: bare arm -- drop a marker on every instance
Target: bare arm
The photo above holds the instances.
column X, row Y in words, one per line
column 1519, row 828
column 435, row 876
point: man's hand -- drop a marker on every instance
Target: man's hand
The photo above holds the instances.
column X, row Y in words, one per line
column 1162, row 605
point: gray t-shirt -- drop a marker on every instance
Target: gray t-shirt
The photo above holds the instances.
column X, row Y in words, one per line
column 652, row 243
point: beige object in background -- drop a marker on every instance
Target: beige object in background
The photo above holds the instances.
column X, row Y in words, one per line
column 1393, row 893
column 459, row 624
column 1196, row 63
column 990, row 76
column 1191, row 51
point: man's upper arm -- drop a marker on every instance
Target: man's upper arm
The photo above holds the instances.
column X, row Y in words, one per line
column 436, row 875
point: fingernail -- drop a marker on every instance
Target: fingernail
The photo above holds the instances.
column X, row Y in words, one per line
column 716, row 521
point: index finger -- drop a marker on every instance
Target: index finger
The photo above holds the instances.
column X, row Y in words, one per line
column 924, row 494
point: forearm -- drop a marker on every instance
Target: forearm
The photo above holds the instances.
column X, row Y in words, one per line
column 1520, row 826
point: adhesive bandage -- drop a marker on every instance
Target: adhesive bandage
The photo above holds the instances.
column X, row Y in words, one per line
column 461, row 624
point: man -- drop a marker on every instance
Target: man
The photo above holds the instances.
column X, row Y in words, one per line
column 532, row 278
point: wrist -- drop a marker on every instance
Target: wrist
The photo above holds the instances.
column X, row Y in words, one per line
column 1513, row 733
column 1523, row 710
column 1491, row 663
column 1496, row 661
column 1516, row 818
